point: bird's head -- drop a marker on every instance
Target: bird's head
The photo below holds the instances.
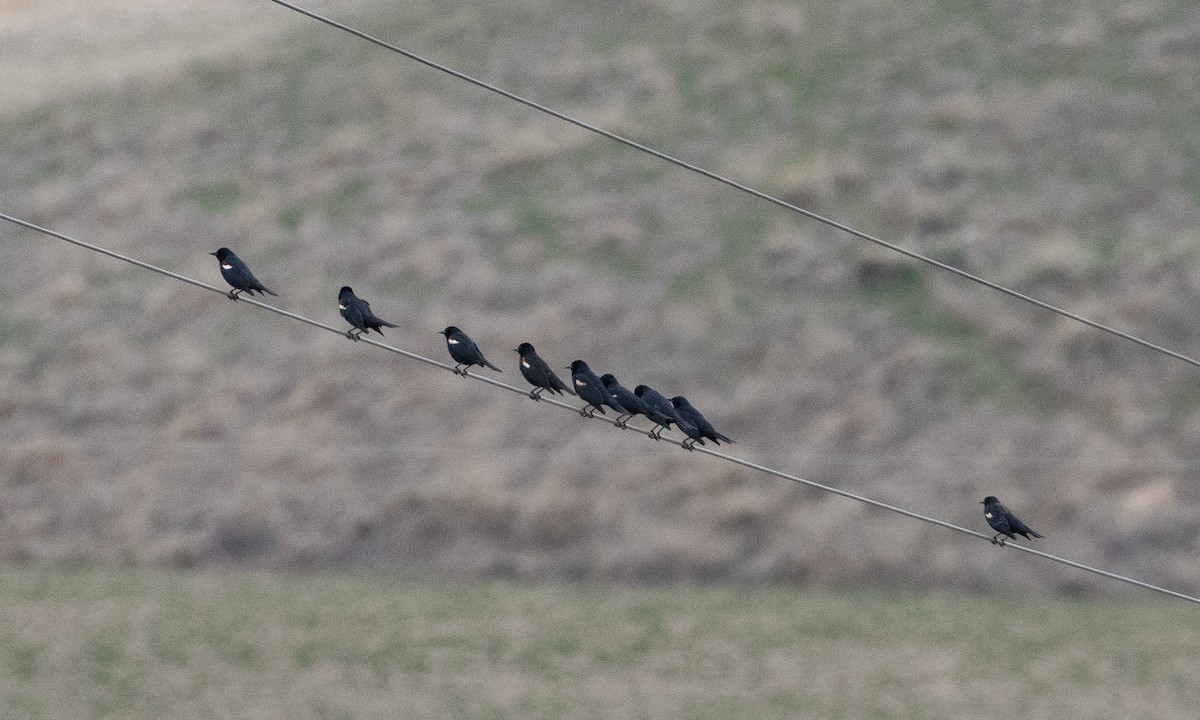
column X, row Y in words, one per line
column 524, row 348
column 577, row 366
column 450, row 330
column 221, row 253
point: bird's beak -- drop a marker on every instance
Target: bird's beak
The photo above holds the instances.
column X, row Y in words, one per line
column 212, row 253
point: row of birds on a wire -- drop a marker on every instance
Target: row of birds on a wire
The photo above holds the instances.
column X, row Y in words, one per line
column 597, row 391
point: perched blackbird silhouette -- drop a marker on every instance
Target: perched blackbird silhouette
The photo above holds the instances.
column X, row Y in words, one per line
column 238, row 275
column 702, row 427
column 358, row 313
column 660, row 411
column 538, row 373
column 620, row 399
column 464, row 351
column 588, row 387
column 1004, row 522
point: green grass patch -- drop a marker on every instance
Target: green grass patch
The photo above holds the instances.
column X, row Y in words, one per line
column 348, row 199
column 15, row 332
column 215, row 198
column 95, row 641
column 688, row 284
column 535, row 219
column 290, row 217
column 1185, row 396
column 903, row 289
column 980, row 369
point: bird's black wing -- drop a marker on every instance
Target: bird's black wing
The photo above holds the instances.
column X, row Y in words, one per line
column 998, row 519
column 370, row 318
column 352, row 313
column 717, row 437
column 556, row 382
column 590, row 389
column 477, row 353
column 1020, row 527
column 614, row 402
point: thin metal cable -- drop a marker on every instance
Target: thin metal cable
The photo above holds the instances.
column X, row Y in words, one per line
column 742, row 187
column 558, row 403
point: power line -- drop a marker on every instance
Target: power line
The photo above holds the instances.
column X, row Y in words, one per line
column 740, row 186
column 557, row 403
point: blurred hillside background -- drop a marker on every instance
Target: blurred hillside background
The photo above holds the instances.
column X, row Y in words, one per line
column 1053, row 147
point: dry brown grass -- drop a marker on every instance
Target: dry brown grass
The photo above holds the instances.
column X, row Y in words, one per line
column 155, row 423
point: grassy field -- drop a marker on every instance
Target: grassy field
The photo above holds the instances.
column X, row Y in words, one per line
column 114, row 642
column 1050, row 148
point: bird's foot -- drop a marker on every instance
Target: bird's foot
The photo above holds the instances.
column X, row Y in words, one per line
column 688, row 445
column 534, row 395
column 232, row 295
column 459, row 370
column 352, row 335
column 1001, row 542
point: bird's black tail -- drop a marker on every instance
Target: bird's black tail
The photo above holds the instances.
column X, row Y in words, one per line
column 722, row 438
column 269, row 292
column 1022, row 528
column 489, row 365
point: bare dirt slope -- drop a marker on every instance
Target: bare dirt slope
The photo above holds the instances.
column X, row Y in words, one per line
column 1054, row 151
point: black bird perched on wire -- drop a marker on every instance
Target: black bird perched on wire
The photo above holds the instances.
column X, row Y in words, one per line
column 1003, row 521
column 464, row 351
column 358, row 313
column 620, row 399
column 238, row 275
column 703, row 428
column 538, row 373
column 659, row 409
column 588, row 387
